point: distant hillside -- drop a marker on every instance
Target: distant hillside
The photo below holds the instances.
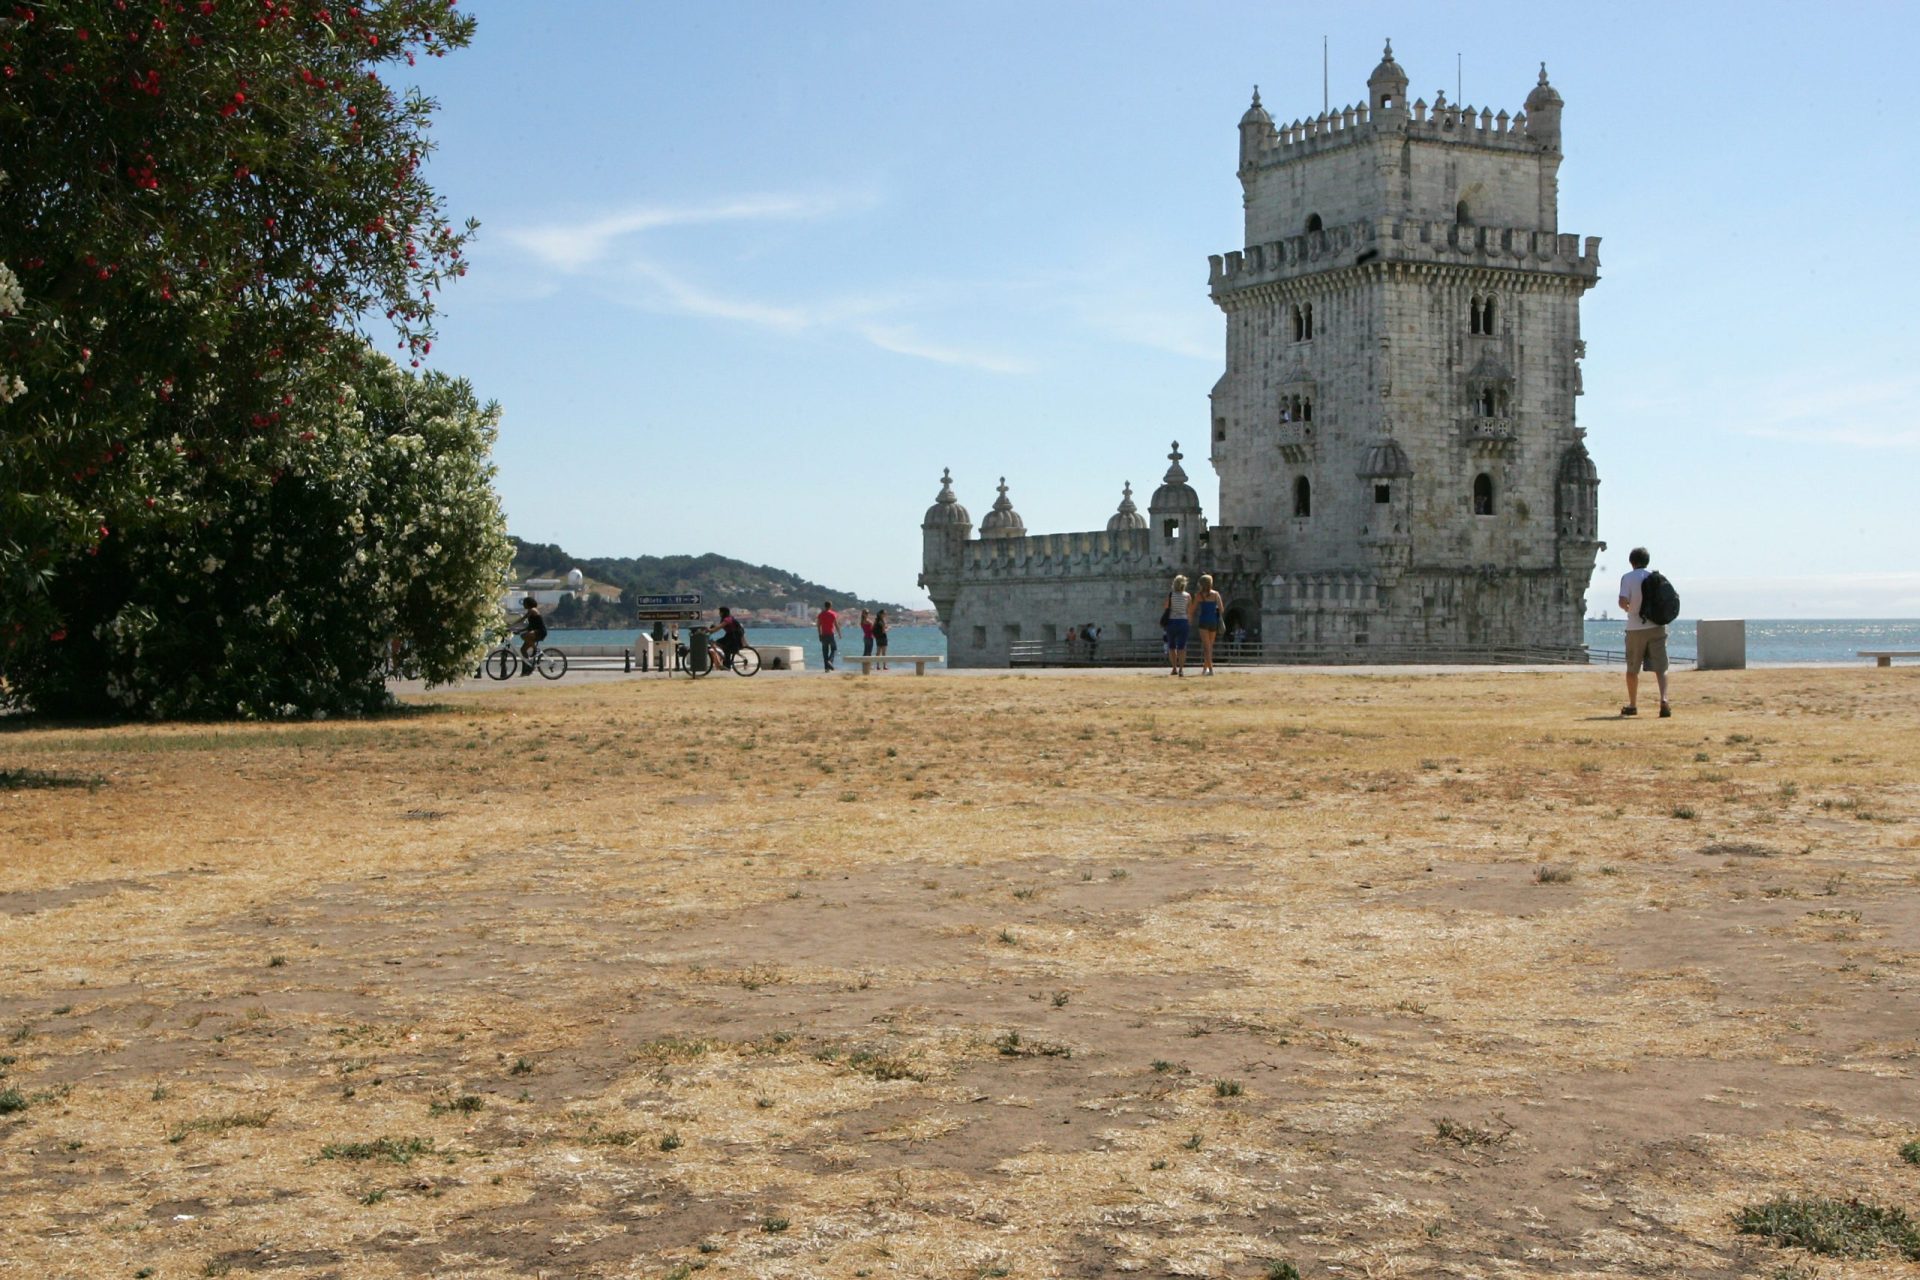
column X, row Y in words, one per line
column 718, row 579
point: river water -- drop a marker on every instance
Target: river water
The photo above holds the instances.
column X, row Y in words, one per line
column 1769, row 640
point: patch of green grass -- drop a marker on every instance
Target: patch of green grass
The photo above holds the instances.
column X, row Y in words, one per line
column 40, row 780
column 1468, row 1136
column 12, row 1100
column 1684, row 812
column 520, row 1067
column 214, row 1126
column 466, row 1104
column 774, row 1225
column 1910, row 1152
column 396, row 1150
column 1011, row 1045
column 882, row 1066
column 1282, row 1271
column 1226, row 1088
column 670, row 1141
column 1836, row 1228
column 1192, row 1143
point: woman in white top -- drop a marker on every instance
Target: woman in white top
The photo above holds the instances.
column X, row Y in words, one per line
column 1177, row 624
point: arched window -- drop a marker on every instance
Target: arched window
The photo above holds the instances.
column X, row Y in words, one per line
column 1306, row 410
column 1299, row 324
column 1474, row 324
column 1483, row 404
column 1309, row 319
column 1462, row 214
column 1302, row 497
column 1483, row 494
column 1313, row 222
column 1486, row 315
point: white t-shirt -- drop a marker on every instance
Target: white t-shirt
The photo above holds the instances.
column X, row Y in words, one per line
column 1630, row 592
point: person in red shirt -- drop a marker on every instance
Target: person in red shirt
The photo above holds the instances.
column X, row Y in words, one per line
column 829, row 623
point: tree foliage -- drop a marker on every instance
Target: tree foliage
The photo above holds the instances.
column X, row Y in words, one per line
column 210, row 205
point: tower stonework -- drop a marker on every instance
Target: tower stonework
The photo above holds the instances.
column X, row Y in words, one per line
column 1394, row 436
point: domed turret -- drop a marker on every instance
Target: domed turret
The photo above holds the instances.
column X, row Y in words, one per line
column 1128, row 516
column 575, row 579
column 1543, row 112
column 1386, row 460
column 1174, row 493
column 1175, row 508
column 1003, row 521
column 946, row 509
column 1256, row 131
column 1387, row 86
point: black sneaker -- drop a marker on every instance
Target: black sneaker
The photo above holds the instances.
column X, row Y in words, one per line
column 1629, row 711
column 1666, row 712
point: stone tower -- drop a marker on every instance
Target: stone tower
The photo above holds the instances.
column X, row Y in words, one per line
column 1403, row 339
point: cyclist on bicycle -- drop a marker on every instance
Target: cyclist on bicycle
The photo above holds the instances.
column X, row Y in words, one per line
column 733, row 636
column 533, row 629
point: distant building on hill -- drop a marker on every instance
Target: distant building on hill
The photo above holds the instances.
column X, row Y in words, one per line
column 1400, row 470
column 548, row 592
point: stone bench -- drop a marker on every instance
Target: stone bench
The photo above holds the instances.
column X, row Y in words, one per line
column 781, row 657
column 1885, row 657
column 919, row 661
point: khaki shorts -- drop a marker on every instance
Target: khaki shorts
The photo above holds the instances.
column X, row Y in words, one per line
column 1647, row 647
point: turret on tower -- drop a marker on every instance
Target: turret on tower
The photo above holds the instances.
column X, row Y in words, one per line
column 1387, row 86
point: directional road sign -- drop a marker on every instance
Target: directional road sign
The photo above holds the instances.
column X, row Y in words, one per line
column 660, row 602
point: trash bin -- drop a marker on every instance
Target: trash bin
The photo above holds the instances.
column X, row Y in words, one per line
column 699, row 651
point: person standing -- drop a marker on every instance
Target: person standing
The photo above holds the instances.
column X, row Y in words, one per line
column 866, row 634
column 1179, row 605
column 880, row 637
column 1646, row 641
column 829, row 624
column 1207, row 610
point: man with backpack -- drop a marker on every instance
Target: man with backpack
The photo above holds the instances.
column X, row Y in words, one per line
column 1650, row 603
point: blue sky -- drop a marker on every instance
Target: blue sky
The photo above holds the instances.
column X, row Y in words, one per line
column 750, row 275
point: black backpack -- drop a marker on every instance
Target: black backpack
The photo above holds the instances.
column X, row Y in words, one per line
column 1659, row 602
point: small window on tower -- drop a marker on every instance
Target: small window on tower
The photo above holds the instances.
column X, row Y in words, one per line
column 1299, row 325
column 1309, row 320
column 1383, row 493
column 1462, row 214
column 1486, row 316
column 1483, row 494
column 1313, row 222
column 1306, row 410
column 1171, row 528
column 1302, row 498
column 1219, row 428
column 1473, row 315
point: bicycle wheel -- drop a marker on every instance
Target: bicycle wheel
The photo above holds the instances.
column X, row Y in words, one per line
column 746, row 661
column 551, row 663
column 502, row 662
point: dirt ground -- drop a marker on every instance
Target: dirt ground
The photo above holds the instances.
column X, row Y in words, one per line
column 1373, row 975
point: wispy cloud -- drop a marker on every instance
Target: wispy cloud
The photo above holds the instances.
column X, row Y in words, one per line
column 902, row 341
column 1875, row 413
column 578, row 245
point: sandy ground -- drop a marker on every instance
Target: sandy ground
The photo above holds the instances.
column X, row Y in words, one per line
column 1389, row 974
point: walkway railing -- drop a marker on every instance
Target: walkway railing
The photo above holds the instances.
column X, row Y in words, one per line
column 1148, row 653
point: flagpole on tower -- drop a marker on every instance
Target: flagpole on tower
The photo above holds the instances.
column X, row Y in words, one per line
column 1324, row 104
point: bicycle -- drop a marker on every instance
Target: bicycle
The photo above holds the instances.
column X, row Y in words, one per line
column 745, row 661
column 504, row 662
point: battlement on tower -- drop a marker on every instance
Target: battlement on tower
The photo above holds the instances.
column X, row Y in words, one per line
column 1284, row 144
column 1058, row 554
column 1393, row 240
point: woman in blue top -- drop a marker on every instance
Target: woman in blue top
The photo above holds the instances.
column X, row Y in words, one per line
column 1206, row 609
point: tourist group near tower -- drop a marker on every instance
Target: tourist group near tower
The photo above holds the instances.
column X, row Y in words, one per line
column 1401, row 471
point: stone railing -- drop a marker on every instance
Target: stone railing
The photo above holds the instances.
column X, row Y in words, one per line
column 1398, row 240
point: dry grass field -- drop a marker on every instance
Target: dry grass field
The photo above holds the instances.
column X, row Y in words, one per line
column 987, row 975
